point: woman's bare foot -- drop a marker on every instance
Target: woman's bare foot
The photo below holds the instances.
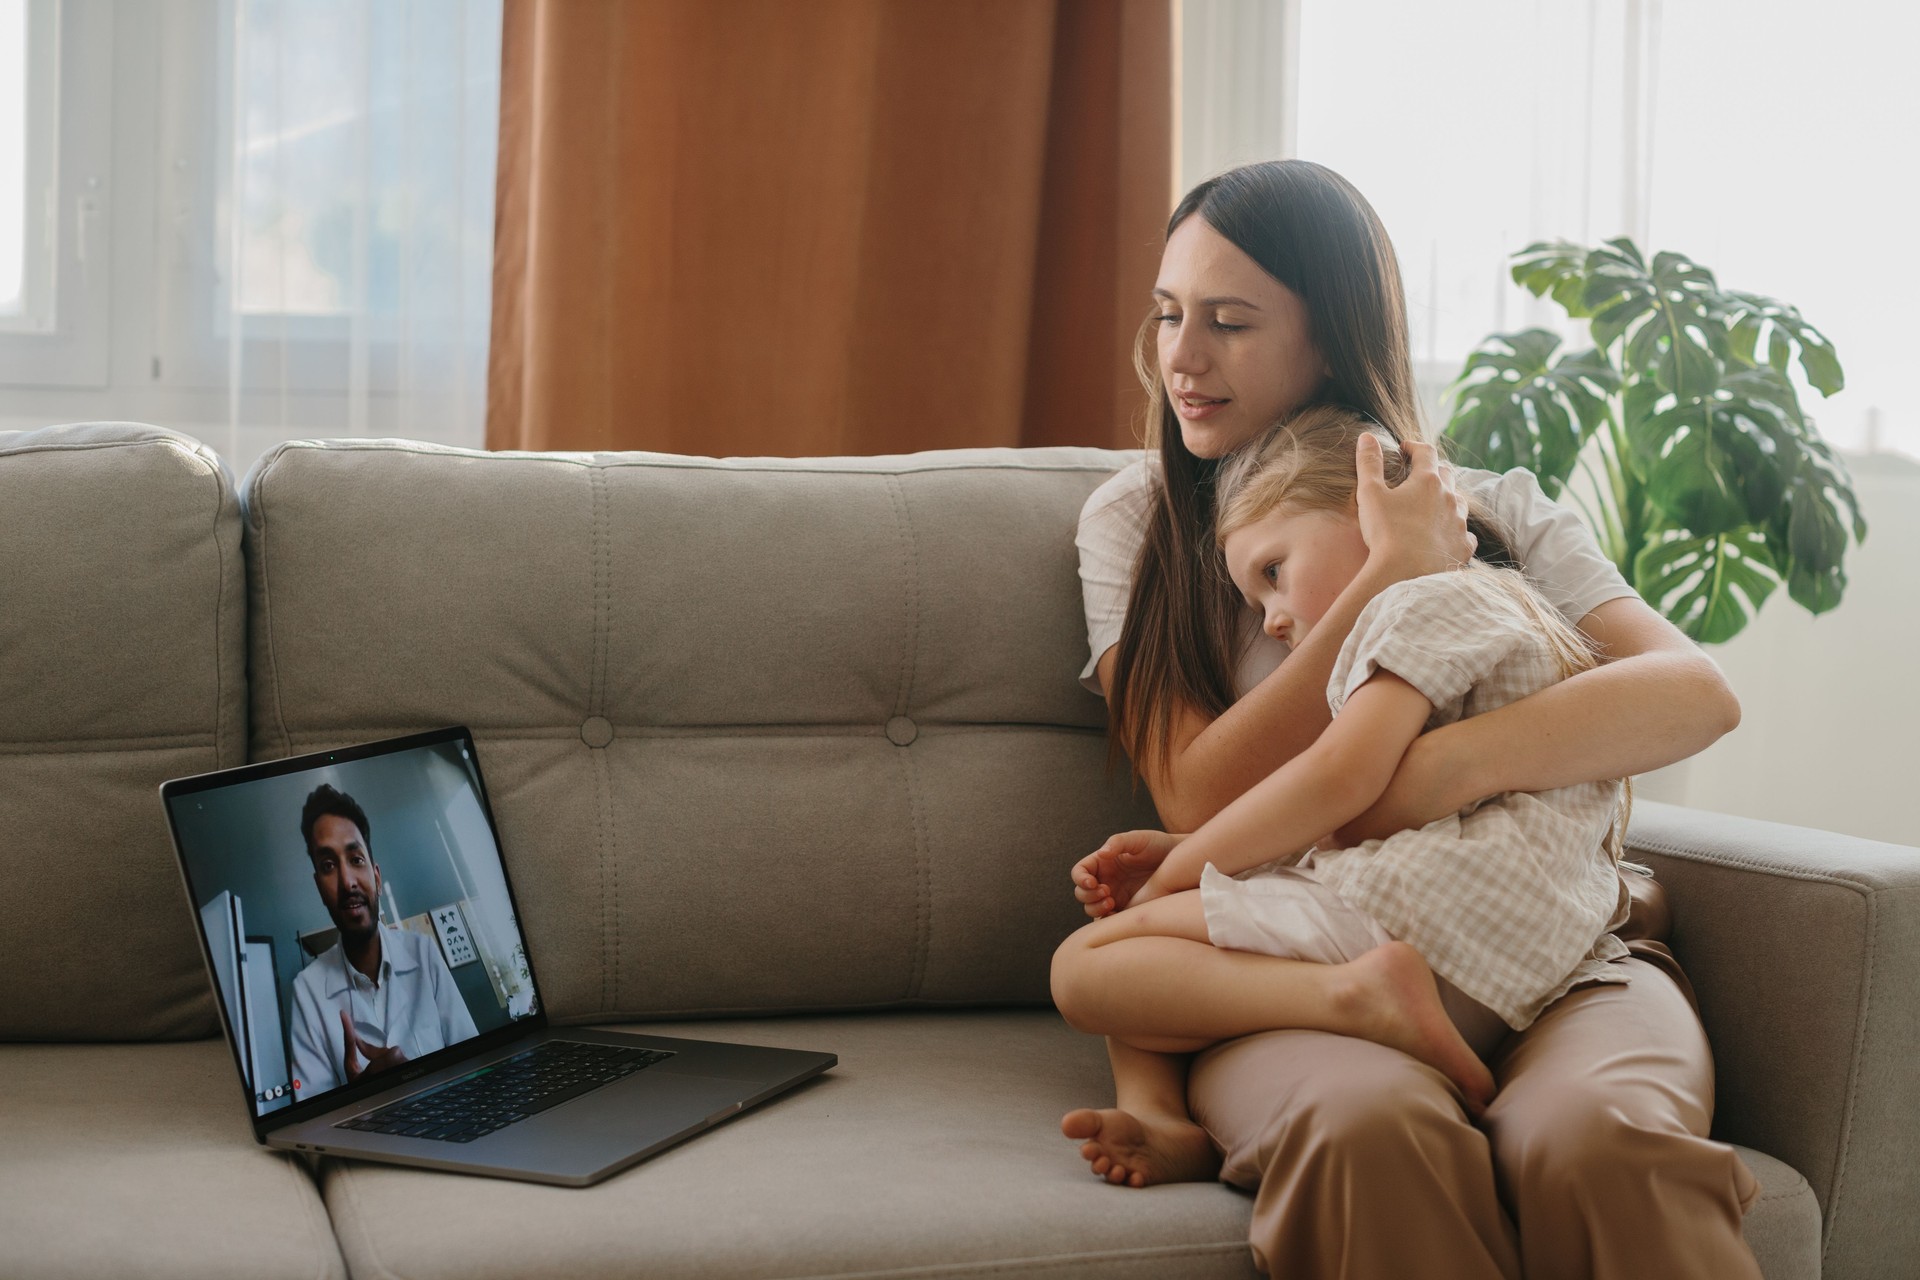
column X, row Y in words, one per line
column 1141, row 1151
column 1397, row 1004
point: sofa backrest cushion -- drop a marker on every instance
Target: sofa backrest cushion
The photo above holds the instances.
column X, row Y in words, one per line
column 122, row 664
column 760, row 734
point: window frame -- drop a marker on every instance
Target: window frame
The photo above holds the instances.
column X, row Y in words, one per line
column 63, row 341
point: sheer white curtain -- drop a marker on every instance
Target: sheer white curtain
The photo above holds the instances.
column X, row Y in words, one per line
column 351, row 241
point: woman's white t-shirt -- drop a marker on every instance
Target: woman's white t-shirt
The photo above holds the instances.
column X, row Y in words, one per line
column 1558, row 552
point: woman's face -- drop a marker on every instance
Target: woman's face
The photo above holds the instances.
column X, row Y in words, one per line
column 1235, row 345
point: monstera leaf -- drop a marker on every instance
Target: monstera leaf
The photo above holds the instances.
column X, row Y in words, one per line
column 1713, row 485
column 1714, row 463
column 1517, row 407
column 1707, row 586
column 1808, row 535
column 1750, row 316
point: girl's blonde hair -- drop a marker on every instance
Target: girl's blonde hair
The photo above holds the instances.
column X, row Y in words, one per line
column 1306, row 463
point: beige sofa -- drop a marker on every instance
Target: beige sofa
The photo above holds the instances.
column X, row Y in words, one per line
column 848, row 764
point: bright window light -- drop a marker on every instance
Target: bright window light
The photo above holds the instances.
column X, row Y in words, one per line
column 13, row 155
column 1772, row 147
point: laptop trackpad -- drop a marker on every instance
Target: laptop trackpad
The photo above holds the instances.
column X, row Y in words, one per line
column 695, row 1097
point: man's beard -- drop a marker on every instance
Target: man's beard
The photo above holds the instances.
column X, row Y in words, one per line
column 348, row 930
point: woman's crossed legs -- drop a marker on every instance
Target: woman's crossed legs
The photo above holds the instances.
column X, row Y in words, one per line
column 1592, row 1160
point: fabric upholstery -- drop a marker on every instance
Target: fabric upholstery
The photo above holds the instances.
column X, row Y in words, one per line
column 1804, row 949
column 933, row 1149
column 122, row 664
column 137, row 1160
column 836, row 757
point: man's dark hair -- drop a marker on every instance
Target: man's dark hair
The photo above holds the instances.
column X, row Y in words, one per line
column 325, row 800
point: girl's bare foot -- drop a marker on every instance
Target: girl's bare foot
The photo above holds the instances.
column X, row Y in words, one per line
column 1398, row 1005
column 1141, row 1151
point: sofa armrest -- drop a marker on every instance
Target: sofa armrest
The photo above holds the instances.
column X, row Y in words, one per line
column 1804, row 949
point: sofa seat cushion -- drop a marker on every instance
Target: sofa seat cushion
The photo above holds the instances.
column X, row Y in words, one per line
column 932, row 1150
column 125, row 1160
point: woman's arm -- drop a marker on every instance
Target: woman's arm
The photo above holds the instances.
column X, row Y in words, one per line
column 1416, row 528
column 1322, row 788
column 1655, row 699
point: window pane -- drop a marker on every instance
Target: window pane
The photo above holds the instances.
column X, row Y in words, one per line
column 13, row 155
column 1743, row 142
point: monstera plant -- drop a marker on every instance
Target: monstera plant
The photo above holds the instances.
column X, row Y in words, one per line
column 1705, row 482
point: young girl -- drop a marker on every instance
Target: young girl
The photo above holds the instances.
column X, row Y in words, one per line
column 1433, row 941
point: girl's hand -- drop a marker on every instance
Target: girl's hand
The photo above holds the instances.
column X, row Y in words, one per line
column 1418, row 527
column 1110, row 878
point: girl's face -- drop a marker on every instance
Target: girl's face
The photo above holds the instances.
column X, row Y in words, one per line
column 1292, row 566
column 1235, row 345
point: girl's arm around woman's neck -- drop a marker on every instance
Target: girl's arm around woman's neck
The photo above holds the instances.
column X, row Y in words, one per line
column 1321, row 789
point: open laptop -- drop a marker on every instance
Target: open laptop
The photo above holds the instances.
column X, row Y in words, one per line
column 378, row 993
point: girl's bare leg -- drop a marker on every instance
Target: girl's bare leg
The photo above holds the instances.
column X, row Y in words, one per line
column 1147, row 1137
column 1149, row 976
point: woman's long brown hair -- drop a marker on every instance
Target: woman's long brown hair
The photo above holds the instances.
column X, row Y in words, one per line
column 1310, row 230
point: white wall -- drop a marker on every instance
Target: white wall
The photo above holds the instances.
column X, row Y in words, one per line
column 1829, row 706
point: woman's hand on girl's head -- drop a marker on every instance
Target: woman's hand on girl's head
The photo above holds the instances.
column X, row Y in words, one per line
column 1417, row 527
column 1108, row 879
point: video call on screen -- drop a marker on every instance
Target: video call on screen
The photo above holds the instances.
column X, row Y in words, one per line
column 356, row 915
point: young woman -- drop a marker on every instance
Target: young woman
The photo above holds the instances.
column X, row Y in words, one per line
column 1278, row 288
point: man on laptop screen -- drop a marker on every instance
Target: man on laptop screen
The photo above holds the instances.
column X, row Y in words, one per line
column 378, row 997
column 397, row 1017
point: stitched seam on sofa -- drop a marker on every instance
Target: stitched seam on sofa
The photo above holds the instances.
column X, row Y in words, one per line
column 1747, row 864
column 707, row 1013
column 1028, row 1264
column 1831, row 1217
column 258, row 487
column 902, row 703
column 179, row 446
column 107, row 746
column 923, row 874
column 677, row 462
column 596, row 706
column 309, row 1194
column 219, row 610
column 910, row 601
column 571, row 732
column 1862, row 1011
column 344, row 1177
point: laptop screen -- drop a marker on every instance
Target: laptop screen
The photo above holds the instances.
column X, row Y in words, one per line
column 355, row 910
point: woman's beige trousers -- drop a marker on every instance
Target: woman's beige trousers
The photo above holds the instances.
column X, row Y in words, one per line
column 1593, row 1160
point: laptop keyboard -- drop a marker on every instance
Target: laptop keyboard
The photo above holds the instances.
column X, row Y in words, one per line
column 507, row 1092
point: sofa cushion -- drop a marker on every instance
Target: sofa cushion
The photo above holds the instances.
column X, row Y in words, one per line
column 137, row 1160
column 1783, row 1224
column 122, row 664
column 759, row 733
column 934, row 1144
column 933, row 1149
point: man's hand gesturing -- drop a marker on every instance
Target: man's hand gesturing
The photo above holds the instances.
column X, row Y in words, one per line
column 377, row 1060
column 1106, row 880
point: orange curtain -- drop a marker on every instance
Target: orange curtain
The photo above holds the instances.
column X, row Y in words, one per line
column 831, row 227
